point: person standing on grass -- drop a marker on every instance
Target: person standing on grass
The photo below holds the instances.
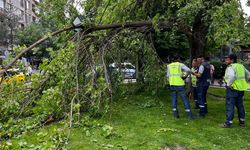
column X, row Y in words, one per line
column 203, row 82
column 175, row 71
column 194, row 82
column 212, row 69
column 236, row 78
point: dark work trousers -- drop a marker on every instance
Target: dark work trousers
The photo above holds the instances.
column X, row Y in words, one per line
column 182, row 92
column 202, row 99
column 195, row 96
column 234, row 98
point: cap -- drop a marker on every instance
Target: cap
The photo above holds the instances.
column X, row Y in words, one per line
column 232, row 57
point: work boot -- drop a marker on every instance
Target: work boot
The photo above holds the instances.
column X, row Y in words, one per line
column 205, row 110
column 176, row 116
column 226, row 125
column 242, row 124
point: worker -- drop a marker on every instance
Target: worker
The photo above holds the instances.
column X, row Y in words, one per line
column 194, row 82
column 203, row 82
column 175, row 71
column 212, row 70
column 29, row 70
column 236, row 77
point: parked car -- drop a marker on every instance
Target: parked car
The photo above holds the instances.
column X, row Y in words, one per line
column 127, row 69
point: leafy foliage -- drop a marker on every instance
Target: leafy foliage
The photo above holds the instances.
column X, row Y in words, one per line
column 75, row 78
column 30, row 35
column 228, row 24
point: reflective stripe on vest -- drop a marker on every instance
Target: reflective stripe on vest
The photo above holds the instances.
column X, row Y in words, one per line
column 175, row 74
column 240, row 82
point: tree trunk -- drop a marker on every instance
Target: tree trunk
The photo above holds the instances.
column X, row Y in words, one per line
column 141, row 63
column 198, row 39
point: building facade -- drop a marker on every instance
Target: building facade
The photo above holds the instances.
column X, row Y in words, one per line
column 24, row 12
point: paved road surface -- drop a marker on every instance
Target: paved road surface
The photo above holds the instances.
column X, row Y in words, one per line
column 217, row 85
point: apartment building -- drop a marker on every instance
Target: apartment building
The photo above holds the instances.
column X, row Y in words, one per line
column 25, row 13
column 26, row 10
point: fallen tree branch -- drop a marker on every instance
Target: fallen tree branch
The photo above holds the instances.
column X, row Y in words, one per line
column 136, row 24
column 34, row 45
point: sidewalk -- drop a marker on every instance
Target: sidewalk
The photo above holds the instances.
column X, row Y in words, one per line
column 217, row 85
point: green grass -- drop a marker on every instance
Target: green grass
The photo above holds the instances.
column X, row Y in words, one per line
column 221, row 92
column 139, row 126
column 145, row 122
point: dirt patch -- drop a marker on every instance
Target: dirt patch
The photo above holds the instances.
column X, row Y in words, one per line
column 177, row 147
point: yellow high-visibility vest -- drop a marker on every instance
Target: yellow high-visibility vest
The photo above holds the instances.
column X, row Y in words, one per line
column 193, row 80
column 240, row 83
column 175, row 74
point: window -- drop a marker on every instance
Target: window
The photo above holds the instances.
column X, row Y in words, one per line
column 27, row 5
column 22, row 15
column 26, row 18
column 9, row 7
column 1, row 3
column 34, row 19
column 33, row 8
column 22, row 3
column 30, row 18
column 22, row 25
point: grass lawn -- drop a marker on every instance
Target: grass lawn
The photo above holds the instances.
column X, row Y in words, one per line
column 145, row 122
column 221, row 92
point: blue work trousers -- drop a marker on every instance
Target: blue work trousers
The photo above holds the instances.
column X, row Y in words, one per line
column 234, row 98
column 202, row 99
column 175, row 90
column 195, row 96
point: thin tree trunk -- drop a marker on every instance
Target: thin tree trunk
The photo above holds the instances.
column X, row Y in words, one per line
column 141, row 65
column 198, row 38
column 77, row 79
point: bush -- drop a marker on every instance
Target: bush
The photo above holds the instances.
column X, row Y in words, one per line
column 246, row 64
column 219, row 69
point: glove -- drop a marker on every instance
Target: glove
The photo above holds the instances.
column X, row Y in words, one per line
column 184, row 78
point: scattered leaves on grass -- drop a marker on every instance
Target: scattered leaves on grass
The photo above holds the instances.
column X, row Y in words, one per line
column 166, row 130
column 107, row 145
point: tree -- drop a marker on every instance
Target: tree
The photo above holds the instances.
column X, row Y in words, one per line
column 76, row 78
column 30, row 34
column 195, row 19
column 8, row 26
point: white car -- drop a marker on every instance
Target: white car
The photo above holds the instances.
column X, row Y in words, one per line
column 127, row 69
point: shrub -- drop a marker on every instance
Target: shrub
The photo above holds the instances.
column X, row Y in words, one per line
column 219, row 69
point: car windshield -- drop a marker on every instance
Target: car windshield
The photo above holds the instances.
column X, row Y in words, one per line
column 128, row 66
